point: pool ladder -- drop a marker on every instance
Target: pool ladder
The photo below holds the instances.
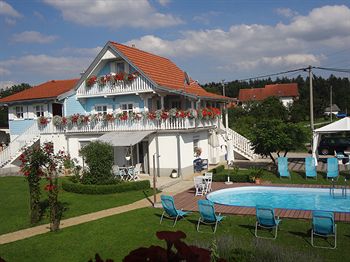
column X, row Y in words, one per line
column 342, row 187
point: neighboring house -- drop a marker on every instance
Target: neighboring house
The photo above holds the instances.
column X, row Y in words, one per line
column 141, row 103
column 334, row 109
column 286, row 93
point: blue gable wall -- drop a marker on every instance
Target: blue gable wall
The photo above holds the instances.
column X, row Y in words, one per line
column 87, row 105
column 105, row 70
column 17, row 127
column 73, row 106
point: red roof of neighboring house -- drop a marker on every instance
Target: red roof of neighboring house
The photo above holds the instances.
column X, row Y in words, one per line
column 163, row 71
column 279, row 90
column 49, row 89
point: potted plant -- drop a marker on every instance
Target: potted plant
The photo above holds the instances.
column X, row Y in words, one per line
column 255, row 175
column 173, row 174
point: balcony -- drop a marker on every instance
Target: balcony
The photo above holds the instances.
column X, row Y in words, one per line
column 110, row 85
column 101, row 126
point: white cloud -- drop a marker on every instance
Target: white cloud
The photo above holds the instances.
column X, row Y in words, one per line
column 286, row 12
column 164, row 2
column 205, row 17
column 8, row 10
column 33, row 37
column 266, row 47
column 126, row 13
column 10, row 21
column 4, row 71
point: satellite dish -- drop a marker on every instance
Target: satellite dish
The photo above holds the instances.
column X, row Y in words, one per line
column 187, row 79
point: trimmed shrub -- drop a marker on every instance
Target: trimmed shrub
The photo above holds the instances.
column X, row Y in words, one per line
column 99, row 158
column 242, row 178
column 104, row 189
column 218, row 169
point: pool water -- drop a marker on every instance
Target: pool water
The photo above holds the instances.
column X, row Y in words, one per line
column 283, row 197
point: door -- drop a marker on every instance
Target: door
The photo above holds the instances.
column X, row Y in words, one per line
column 57, row 109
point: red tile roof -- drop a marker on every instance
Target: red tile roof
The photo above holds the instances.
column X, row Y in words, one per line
column 163, row 71
column 50, row 89
column 278, row 90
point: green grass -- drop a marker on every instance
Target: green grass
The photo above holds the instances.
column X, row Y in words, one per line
column 296, row 177
column 14, row 203
column 114, row 237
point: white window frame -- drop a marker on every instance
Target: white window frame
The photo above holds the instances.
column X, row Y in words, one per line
column 101, row 111
column 128, row 110
column 41, row 110
column 19, row 114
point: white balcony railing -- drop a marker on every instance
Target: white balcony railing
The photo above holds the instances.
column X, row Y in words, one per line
column 138, row 85
column 130, row 125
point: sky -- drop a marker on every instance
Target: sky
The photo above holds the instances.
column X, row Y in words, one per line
column 41, row 40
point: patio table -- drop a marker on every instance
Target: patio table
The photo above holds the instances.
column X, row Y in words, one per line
column 129, row 172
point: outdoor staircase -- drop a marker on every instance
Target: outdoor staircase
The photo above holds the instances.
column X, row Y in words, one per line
column 28, row 138
column 241, row 145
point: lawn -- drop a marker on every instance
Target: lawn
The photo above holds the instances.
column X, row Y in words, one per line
column 14, row 203
column 114, row 237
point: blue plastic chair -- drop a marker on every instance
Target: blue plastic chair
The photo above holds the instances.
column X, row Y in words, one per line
column 332, row 168
column 283, row 167
column 170, row 209
column 207, row 214
column 265, row 218
column 323, row 225
column 310, row 167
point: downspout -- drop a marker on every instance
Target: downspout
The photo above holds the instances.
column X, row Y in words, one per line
column 178, row 155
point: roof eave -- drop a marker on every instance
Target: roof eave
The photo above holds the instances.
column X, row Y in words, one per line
column 28, row 101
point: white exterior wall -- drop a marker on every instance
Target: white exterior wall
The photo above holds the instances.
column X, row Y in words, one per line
column 59, row 141
column 168, row 151
column 287, row 101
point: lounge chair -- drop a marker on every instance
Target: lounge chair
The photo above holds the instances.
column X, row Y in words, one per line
column 170, row 209
column 265, row 218
column 283, row 167
column 332, row 168
column 323, row 225
column 199, row 185
column 207, row 214
column 310, row 168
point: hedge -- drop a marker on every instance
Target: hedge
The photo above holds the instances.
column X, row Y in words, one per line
column 218, row 169
column 104, row 189
column 233, row 178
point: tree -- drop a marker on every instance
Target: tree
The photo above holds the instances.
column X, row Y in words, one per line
column 99, row 158
column 276, row 136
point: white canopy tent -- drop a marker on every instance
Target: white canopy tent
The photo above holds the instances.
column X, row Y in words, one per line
column 341, row 125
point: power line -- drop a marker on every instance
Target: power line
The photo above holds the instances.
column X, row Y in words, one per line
column 341, row 70
column 273, row 74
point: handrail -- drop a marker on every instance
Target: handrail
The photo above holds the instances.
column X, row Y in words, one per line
column 18, row 143
column 242, row 144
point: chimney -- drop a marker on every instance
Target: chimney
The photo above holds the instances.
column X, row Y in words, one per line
column 133, row 45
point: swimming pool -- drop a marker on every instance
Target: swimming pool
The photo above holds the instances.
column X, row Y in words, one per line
column 282, row 197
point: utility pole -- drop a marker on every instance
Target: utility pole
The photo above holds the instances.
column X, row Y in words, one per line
column 331, row 105
column 311, row 100
column 226, row 111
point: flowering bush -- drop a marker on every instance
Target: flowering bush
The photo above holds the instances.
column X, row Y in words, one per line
column 111, row 79
column 38, row 162
column 159, row 115
column 43, row 121
column 91, row 81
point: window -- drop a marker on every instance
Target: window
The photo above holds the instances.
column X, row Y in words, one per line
column 176, row 104
column 39, row 110
column 19, row 112
column 127, row 108
column 101, row 109
column 120, row 67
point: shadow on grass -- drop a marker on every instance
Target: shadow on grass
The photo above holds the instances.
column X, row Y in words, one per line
column 250, row 228
column 303, row 235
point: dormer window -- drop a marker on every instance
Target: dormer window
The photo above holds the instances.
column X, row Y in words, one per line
column 19, row 112
column 120, row 67
column 39, row 110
